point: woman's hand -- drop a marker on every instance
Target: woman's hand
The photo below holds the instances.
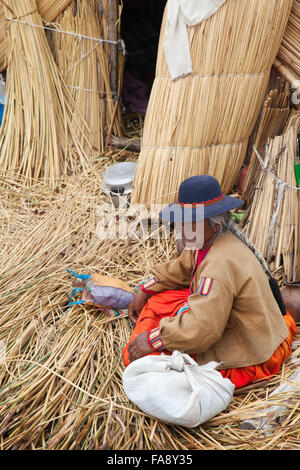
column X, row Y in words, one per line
column 136, row 305
column 139, row 347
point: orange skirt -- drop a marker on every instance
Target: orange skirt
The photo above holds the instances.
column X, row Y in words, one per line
column 244, row 375
column 168, row 303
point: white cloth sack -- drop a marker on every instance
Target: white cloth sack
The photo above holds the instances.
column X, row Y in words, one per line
column 175, row 389
column 180, row 14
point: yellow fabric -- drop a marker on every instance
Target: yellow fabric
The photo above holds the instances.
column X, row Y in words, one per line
column 111, row 282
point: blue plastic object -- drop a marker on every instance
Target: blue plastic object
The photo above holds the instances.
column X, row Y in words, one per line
column 77, row 289
column 79, row 276
column 78, row 302
column 2, row 103
column 1, row 112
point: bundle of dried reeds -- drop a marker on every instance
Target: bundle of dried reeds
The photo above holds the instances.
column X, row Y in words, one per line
column 201, row 123
column 48, row 9
column 39, row 137
column 274, row 117
column 61, row 382
column 274, row 222
column 84, row 64
column 289, row 52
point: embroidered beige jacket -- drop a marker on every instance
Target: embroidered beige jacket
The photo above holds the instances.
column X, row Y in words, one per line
column 238, row 323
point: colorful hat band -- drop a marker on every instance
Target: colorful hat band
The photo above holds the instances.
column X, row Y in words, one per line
column 204, row 203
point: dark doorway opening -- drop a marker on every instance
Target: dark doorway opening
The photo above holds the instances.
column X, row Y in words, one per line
column 140, row 29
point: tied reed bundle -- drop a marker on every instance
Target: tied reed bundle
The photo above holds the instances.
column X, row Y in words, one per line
column 84, row 65
column 289, row 52
column 39, row 137
column 275, row 114
column 274, row 222
column 61, row 383
column 201, row 123
column 48, row 9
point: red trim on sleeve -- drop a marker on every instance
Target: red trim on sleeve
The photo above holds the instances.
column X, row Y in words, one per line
column 154, row 339
column 147, row 284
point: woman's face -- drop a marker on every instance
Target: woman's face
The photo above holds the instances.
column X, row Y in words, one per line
column 196, row 235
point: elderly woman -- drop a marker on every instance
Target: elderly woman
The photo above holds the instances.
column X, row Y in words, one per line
column 217, row 301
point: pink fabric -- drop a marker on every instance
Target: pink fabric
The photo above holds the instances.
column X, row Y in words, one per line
column 199, row 257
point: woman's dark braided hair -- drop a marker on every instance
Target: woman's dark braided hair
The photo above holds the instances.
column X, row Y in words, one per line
column 226, row 224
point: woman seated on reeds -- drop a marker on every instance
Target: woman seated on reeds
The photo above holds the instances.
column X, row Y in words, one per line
column 217, row 300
